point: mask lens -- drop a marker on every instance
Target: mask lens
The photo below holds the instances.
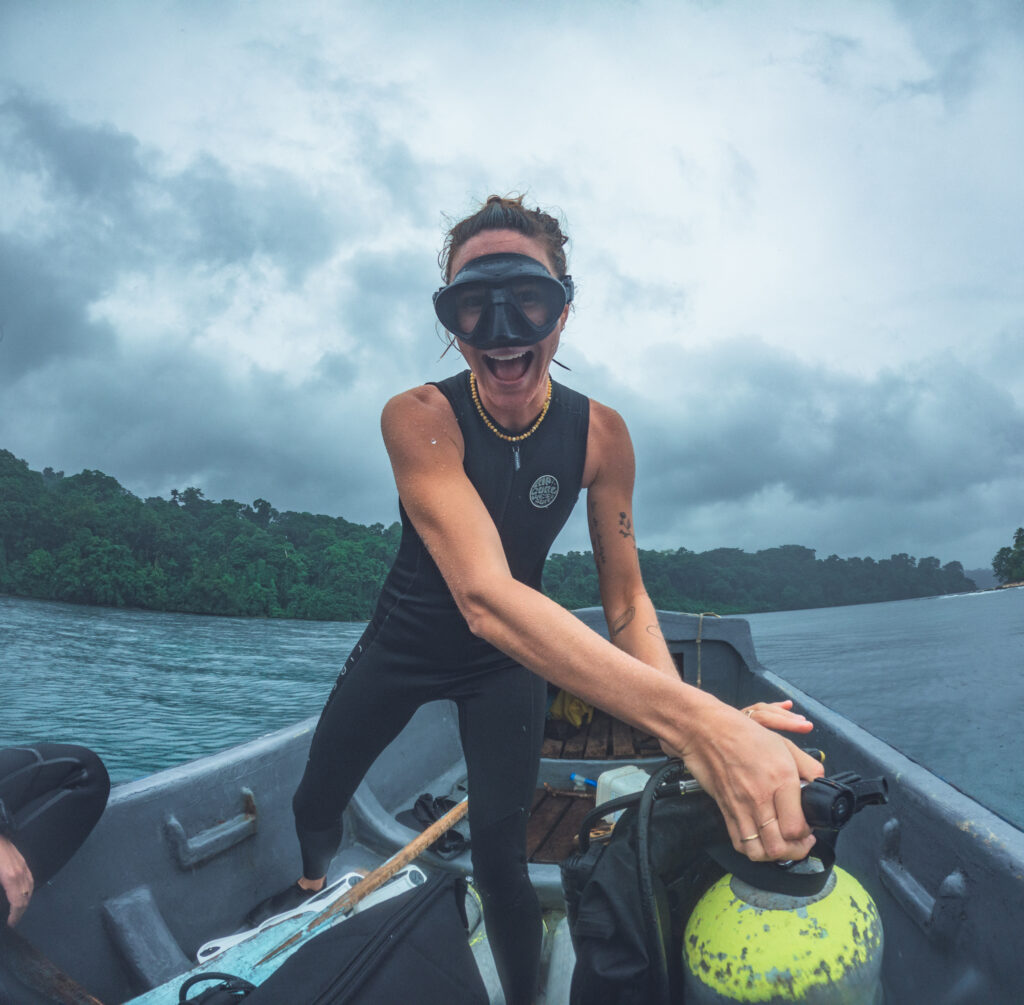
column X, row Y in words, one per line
column 538, row 301
column 471, row 301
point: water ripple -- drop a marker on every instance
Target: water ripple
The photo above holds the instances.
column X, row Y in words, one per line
column 150, row 690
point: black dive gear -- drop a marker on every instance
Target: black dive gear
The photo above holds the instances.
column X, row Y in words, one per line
column 503, row 300
column 628, row 897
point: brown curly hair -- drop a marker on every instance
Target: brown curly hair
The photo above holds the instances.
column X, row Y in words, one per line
column 507, row 213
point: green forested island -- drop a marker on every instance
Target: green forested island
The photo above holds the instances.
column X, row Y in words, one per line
column 86, row 539
column 1008, row 564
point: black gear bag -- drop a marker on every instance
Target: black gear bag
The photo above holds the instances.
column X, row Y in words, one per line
column 627, row 922
column 411, row 948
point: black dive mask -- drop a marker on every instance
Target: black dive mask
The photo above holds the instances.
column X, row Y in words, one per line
column 502, row 300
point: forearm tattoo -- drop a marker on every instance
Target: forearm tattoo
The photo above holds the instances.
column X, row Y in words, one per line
column 623, row 621
column 625, row 526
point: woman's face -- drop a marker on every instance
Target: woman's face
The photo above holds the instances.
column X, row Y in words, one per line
column 512, row 376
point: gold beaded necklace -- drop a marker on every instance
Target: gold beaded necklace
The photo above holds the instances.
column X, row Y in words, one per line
column 514, row 440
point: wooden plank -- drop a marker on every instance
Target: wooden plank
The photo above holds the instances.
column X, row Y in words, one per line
column 38, row 973
column 622, row 740
column 597, row 741
column 544, row 819
column 561, row 841
column 575, row 745
column 569, row 830
column 604, row 737
column 552, row 748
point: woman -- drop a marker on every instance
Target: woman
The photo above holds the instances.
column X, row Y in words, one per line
column 488, row 465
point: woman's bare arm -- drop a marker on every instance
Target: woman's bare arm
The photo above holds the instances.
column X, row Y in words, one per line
column 608, row 477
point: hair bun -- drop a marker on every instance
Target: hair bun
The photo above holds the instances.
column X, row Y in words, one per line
column 507, row 212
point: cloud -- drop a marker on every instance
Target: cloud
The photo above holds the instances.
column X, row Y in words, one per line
column 763, row 446
column 108, row 209
column 160, row 421
column 904, row 434
column 41, row 311
column 218, row 218
column 148, row 314
column 795, row 239
column 959, row 42
column 95, row 166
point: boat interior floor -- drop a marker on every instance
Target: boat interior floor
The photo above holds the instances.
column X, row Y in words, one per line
column 603, row 738
column 553, row 827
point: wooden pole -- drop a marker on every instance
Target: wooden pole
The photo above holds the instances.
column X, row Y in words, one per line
column 380, row 875
column 38, row 973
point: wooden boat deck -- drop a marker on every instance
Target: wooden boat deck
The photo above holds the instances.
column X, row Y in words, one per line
column 555, row 816
column 554, row 822
column 604, row 738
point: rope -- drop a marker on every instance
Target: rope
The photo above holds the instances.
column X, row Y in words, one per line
column 700, row 630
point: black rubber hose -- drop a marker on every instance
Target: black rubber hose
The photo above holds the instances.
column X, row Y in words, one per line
column 648, row 899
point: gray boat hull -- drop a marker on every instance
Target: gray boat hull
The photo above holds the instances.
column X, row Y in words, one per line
column 179, row 856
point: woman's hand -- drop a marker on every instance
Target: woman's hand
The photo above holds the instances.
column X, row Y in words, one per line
column 754, row 775
column 16, row 879
column 778, row 715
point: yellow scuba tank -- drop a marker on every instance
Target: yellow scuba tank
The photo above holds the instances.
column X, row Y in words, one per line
column 743, row 944
column 790, row 932
column 767, row 933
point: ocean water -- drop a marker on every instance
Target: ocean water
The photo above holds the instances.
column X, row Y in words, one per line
column 149, row 690
column 942, row 679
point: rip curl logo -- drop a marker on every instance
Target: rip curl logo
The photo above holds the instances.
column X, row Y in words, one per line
column 544, row 491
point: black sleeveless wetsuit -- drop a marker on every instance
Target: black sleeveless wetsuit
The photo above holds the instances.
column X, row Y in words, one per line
column 418, row 648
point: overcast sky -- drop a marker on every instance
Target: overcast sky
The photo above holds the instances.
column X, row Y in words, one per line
column 797, row 237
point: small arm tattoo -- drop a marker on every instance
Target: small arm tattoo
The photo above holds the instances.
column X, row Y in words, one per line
column 625, row 525
column 623, row 620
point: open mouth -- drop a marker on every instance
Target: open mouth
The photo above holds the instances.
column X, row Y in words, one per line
column 509, row 364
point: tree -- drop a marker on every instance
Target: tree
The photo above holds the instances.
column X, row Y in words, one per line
column 86, row 539
column 262, row 513
column 1008, row 564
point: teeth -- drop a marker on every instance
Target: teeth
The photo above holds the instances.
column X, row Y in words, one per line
column 501, row 355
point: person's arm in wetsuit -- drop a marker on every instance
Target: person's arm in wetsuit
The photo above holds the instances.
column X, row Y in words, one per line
column 752, row 773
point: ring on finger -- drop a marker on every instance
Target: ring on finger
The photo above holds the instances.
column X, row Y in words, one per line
column 748, row 712
column 767, row 822
column 752, row 837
